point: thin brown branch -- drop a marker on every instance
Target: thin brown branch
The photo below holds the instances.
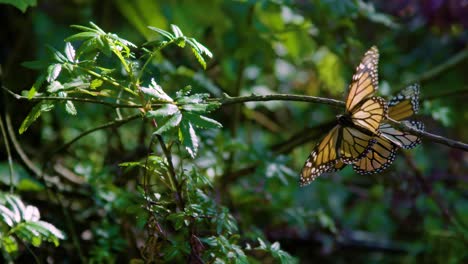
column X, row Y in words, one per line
column 281, row 97
column 116, row 123
column 74, row 99
column 432, row 73
column 172, row 173
column 460, row 92
column 432, row 137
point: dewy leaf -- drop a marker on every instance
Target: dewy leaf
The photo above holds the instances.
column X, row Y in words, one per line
column 70, row 52
column 53, row 72
column 171, row 122
column 164, row 111
column 188, row 138
column 34, row 114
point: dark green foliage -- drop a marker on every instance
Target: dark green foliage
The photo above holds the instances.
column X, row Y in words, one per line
column 129, row 150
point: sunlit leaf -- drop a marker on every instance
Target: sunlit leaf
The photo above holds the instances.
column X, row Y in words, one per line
column 34, row 114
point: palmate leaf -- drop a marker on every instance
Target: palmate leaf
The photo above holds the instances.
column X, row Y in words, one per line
column 24, row 222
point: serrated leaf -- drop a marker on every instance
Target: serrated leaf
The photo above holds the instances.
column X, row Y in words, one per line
column 35, row 65
column 7, row 215
column 81, row 36
column 54, row 87
column 31, row 213
column 202, row 121
column 70, row 52
column 163, row 32
column 155, row 91
column 37, row 84
column 34, row 114
column 196, row 108
column 169, row 123
column 96, row 83
column 192, row 99
column 188, row 138
column 53, row 72
column 104, row 45
column 70, row 108
column 177, row 32
column 164, row 111
column 57, row 55
column 9, row 244
column 199, row 57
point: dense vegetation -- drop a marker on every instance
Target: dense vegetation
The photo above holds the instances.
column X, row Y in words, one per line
column 175, row 132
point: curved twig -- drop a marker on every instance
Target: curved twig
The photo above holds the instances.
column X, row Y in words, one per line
column 302, row 98
column 452, row 61
column 432, row 137
column 281, row 97
column 89, row 131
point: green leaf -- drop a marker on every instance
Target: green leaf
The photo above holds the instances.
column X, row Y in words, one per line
column 163, row 32
column 70, row 52
column 199, row 57
column 9, row 244
column 188, row 138
column 177, row 32
column 54, row 87
column 82, row 36
column 20, row 4
column 202, row 121
column 177, row 219
column 96, row 83
column 155, row 91
column 196, row 108
column 36, row 65
column 70, row 108
column 34, row 114
column 192, row 99
column 164, row 111
column 53, row 72
column 171, row 122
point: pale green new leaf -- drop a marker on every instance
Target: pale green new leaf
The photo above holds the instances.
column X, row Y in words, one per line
column 34, row 114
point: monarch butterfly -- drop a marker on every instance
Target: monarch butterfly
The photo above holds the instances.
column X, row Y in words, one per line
column 353, row 136
column 382, row 153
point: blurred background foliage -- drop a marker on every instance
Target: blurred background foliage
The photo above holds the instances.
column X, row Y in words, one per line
column 417, row 211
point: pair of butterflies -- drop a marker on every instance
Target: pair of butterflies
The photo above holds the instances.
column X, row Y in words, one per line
column 362, row 137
